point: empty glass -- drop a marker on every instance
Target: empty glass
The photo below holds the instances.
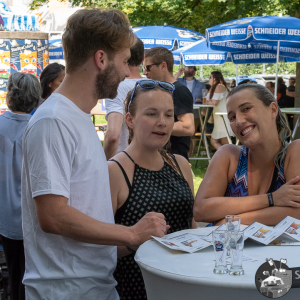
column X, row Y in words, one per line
column 219, row 243
column 236, row 246
column 233, row 222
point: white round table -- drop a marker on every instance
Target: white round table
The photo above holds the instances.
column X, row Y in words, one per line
column 172, row 275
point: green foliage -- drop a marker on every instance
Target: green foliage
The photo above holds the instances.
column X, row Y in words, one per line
column 193, row 14
column 228, row 69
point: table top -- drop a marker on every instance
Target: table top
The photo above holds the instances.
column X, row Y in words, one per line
column 221, row 113
column 291, row 110
column 196, row 106
column 197, row 268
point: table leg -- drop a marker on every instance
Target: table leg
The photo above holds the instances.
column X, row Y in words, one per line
column 295, row 128
column 203, row 136
column 227, row 132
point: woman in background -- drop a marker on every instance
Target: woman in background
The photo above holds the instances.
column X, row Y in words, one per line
column 51, row 78
column 217, row 96
column 23, row 95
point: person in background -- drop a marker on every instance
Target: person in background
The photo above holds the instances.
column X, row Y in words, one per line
column 244, row 81
column 158, row 65
column 292, row 81
column 51, row 78
column 217, row 97
column 23, row 95
column 286, row 101
column 147, row 177
column 291, row 91
column 232, row 84
column 116, row 137
column 189, row 80
column 270, row 86
column 264, row 171
column 69, row 233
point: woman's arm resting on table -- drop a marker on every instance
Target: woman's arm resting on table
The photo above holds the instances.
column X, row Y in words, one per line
column 211, row 205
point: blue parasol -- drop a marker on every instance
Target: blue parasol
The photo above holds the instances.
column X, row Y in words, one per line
column 166, row 36
column 55, row 49
column 280, row 35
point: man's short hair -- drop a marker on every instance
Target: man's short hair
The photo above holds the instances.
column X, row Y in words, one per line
column 137, row 54
column 90, row 30
column 293, row 79
column 272, row 84
column 159, row 55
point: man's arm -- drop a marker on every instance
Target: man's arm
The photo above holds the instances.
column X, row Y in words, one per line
column 111, row 140
column 57, row 217
column 185, row 125
column 179, row 73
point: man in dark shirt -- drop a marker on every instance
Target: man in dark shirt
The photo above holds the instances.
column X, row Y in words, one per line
column 158, row 65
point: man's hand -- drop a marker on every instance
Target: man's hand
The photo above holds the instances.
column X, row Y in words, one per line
column 151, row 224
column 179, row 73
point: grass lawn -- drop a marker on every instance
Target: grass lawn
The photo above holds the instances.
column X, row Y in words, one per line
column 199, row 172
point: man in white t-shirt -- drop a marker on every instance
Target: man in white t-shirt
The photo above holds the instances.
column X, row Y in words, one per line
column 116, row 137
column 68, row 223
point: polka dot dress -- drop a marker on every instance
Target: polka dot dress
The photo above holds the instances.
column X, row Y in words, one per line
column 164, row 191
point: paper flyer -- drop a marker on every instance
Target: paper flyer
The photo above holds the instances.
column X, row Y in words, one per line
column 262, row 233
column 4, row 58
column 291, row 227
column 184, row 242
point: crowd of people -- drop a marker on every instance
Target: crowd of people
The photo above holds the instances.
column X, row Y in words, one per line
column 79, row 211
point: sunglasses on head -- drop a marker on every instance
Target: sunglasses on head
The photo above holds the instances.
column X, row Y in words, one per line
column 148, row 67
column 151, row 84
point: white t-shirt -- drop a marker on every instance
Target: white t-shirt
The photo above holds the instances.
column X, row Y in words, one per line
column 63, row 156
column 117, row 105
column 189, row 84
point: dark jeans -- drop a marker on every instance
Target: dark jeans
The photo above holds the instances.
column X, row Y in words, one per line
column 15, row 259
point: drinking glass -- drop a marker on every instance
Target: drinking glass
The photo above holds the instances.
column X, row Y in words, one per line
column 233, row 222
column 204, row 95
column 219, row 243
column 236, row 245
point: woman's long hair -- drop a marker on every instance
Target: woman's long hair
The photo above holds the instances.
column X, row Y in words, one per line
column 218, row 79
column 49, row 74
column 266, row 97
column 132, row 107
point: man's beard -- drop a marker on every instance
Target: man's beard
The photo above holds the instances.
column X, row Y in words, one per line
column 189, row 73
column 107, row 83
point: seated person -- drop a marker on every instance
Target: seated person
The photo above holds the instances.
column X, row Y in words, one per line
column 264, row 171
column 284, row 100
column 291, row 91
column 146, row 178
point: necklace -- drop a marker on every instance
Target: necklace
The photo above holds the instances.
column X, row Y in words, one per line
column 251, row 185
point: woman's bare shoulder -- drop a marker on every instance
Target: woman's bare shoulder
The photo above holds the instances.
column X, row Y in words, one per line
column 292, row 152
column 220, row 88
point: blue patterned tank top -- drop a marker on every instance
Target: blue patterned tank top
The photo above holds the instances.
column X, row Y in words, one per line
column 238, row 186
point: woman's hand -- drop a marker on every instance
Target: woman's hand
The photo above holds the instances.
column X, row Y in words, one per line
column 288, row 194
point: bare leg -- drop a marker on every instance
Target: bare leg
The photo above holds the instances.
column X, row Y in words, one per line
column 224, row 141
column 216, row 143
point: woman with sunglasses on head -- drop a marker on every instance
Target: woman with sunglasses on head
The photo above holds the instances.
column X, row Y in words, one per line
column 146, row 178
column 217, row 96
column 264, row 171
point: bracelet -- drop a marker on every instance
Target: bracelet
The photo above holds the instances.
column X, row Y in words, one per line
column 130, row 250
column 270, row 198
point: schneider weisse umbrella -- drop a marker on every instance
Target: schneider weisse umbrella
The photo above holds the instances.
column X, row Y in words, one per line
column 280, row 35
column 166, row 36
